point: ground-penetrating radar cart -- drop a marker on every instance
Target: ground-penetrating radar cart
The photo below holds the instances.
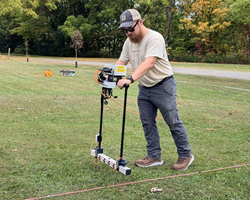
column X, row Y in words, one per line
column 108, row 77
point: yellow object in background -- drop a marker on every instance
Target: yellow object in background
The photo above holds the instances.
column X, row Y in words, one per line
column 48, row 73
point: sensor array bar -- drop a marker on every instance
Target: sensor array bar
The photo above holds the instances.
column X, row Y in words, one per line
column 111, row 162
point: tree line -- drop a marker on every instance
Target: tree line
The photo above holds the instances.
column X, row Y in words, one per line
column 194, row 30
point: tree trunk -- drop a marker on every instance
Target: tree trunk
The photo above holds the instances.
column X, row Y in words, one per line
column 26, row 43
column 76, row 54
column 76, row 59
column 170, row 14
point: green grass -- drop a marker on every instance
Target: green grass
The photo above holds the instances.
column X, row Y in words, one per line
column 48, row 124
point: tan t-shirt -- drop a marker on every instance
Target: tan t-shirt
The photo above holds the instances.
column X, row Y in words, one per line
column 152, row 45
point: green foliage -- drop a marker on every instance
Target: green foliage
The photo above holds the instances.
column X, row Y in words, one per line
column 239, row 15
column 239, row 11
column 20, row 49
column 151, row 20
column 10, row 7
column 73, row 24
column 182, row 39
column 49, row 25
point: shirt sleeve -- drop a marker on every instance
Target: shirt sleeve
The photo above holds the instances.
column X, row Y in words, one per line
column 155, row 48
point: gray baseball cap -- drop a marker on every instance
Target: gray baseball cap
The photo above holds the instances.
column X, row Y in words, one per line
column 128, row 17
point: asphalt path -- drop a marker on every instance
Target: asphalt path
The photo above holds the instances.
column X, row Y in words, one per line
column 177, row 70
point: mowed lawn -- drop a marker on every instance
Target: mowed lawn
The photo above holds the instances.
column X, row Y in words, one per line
column 48, row 127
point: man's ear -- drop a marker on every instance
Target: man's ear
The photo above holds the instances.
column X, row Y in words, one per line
column 140, row 21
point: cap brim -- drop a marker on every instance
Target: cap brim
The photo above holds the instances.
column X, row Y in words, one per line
column 126, row 24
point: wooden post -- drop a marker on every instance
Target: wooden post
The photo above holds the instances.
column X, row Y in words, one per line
column 9, row 53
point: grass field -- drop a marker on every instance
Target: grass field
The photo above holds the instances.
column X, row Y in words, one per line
column 48, row 125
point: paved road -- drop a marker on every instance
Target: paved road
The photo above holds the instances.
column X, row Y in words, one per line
column 177, row 70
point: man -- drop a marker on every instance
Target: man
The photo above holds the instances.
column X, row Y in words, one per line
column 145, row 49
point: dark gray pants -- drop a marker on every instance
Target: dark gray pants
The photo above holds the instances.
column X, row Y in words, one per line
column 162, row 97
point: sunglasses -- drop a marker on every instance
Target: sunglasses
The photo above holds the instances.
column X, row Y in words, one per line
column 131, row 29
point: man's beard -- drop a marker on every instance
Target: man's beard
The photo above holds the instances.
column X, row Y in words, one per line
column 136, row 38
